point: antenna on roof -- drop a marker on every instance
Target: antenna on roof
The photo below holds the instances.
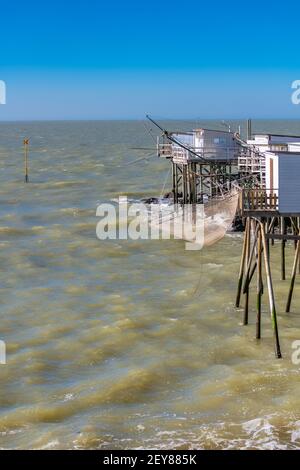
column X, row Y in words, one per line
column 170, row 137
column 224, row 123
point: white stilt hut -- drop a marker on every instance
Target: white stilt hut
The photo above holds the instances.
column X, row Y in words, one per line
column 283, row 179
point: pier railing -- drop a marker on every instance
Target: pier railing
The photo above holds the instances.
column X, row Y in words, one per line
column 184, row 156
column 259, row 200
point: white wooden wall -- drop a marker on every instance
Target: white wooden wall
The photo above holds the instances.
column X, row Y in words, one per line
column 289, row 182
column 271, row 157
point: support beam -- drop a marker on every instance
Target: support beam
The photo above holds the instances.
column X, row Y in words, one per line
column 294, row 271
column 270, row 291
column 259, row 286
column 242, row 265
column 247, row 259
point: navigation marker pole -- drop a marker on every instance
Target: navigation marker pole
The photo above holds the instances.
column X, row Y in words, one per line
column 26, row 149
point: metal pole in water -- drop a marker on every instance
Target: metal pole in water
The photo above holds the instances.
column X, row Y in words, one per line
column 26, row 168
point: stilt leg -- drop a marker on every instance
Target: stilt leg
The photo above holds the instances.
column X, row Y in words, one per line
column 242, row 265
column 295, row 264
column 259, row 287
column 246, row 292
column 270, row 292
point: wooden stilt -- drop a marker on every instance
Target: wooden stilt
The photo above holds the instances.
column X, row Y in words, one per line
column 195, row 182
column 242, row 265
column 259, row 286
column 271, row 229
column 188, row 184
column 247, row 258
column 183, row 178
column 250, row 270
column 174, row 182
column 270, row 291
column 176, row 185
column 295, row 264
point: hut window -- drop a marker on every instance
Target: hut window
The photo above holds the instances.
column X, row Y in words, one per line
column 219, row 140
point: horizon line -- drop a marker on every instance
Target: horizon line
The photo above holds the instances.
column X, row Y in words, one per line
column 220, row 118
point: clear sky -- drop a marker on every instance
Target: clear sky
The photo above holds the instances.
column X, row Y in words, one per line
column 123, row 59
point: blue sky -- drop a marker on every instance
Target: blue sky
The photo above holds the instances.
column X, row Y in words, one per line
column 97, row 60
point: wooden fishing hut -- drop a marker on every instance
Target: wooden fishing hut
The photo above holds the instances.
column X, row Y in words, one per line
column 266, row 170
column 204, row 161
column 271, row 212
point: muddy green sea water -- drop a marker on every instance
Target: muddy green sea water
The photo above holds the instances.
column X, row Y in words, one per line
column 124, row 344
